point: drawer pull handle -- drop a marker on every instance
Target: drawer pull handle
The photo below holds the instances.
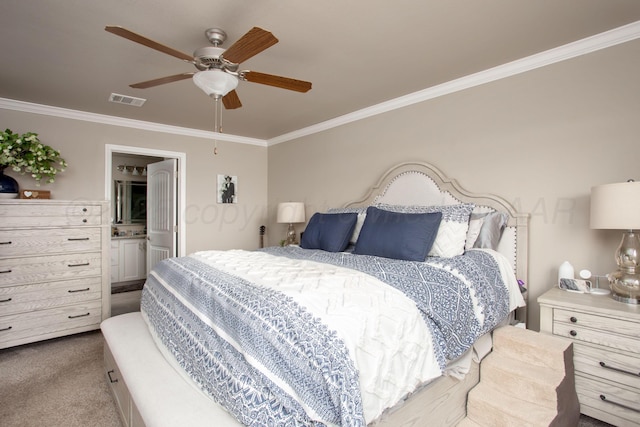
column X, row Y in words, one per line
column 6, row 329
column 573, row 319
column 111, row 380
column 604, row 365
column 84, row 264
column 71, row 291
column 6, row 300
column 622, row 405
column 84, row 209
column 84, row 220
column 573, row 333
column 6, row 243
column 75, row 239
column 5, row 271
column 79, row 315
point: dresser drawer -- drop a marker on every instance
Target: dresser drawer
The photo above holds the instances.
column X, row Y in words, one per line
column 618, row 405
column 19, row 327
column 20, row 299
column 35, row 214
column 27, row 270
column 607, row 364
column 601, row 330
column 45, row 241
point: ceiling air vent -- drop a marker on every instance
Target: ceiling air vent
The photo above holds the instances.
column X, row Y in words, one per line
column 127, row 100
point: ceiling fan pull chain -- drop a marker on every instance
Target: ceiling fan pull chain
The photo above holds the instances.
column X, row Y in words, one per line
column 217, row 122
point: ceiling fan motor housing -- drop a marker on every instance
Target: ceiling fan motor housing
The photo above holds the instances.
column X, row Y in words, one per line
column 208, row 57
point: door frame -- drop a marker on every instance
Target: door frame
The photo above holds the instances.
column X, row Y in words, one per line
column 111, row 149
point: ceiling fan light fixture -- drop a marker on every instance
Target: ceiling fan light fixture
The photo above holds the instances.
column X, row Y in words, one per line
column 216, row 83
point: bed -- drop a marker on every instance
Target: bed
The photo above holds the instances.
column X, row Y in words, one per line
column 380, row 317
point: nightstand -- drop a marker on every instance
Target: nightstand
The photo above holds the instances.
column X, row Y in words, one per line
column 606, row 351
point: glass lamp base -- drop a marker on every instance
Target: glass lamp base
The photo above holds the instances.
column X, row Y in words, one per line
column 625, row 287
column 291, row 236
column 625, row 282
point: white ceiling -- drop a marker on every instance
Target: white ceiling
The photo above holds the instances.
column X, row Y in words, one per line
column 357, row 53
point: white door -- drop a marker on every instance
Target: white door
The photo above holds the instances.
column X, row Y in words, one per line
column 162, row 229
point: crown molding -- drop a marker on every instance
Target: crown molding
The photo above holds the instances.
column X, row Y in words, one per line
column 562, row 53
column 48, row 110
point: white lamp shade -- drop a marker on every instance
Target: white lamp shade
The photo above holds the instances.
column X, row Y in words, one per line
column 616, row 206
column 291, row 212
column 215, row 82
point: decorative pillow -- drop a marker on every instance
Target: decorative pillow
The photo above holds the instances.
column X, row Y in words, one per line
column 493, row 226
column 475, row 223
column 362, row 213
column 329, row 232
column 405, row 236
column 452, row 233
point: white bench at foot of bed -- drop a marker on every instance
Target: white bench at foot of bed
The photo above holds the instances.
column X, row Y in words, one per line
column 148, row 391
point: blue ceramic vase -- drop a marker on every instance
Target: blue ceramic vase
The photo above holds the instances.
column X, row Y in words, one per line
column 8, row 186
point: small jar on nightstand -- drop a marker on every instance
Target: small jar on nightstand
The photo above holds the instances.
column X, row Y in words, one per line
column 606, row 351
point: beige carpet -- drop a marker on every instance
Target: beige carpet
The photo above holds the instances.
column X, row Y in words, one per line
column 61, row 383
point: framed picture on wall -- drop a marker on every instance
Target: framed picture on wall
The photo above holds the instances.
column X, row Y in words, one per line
column 227, row 189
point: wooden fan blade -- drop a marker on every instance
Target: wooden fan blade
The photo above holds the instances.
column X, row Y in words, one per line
column 162, row 80
column 231, row 100
column 253, row 42
column 276, row 81
column 130, row 35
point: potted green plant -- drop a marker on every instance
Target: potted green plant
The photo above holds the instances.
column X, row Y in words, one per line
column 27, row 155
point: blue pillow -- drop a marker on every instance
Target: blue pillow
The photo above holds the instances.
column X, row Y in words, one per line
column 329, row 232
column 405, row 236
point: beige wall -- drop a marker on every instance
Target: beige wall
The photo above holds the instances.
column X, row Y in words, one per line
column 541, row 139
column 209, row 225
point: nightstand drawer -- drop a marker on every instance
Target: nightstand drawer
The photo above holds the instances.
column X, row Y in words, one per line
column 601, row 330
column 619, row 402
column 607, row 339
column 607, row 364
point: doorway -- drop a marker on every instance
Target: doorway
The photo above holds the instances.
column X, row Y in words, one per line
column 129, row 245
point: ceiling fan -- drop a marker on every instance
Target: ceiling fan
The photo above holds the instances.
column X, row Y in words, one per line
column 218, row 73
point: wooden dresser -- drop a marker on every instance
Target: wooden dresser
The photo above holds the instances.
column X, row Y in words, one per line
column 606, row 351
column 54, row 268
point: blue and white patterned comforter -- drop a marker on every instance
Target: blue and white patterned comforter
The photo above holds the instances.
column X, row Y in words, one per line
column 295, row 337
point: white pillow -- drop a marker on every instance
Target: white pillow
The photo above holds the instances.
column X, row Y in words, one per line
column 362, row 214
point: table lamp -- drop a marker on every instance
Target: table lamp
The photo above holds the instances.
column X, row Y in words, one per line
column 617, row 207
column 290, row 213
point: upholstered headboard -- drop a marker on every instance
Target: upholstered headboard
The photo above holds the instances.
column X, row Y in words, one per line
column 422, row 184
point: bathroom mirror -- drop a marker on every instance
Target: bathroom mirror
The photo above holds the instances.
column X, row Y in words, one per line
column 130, row 202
